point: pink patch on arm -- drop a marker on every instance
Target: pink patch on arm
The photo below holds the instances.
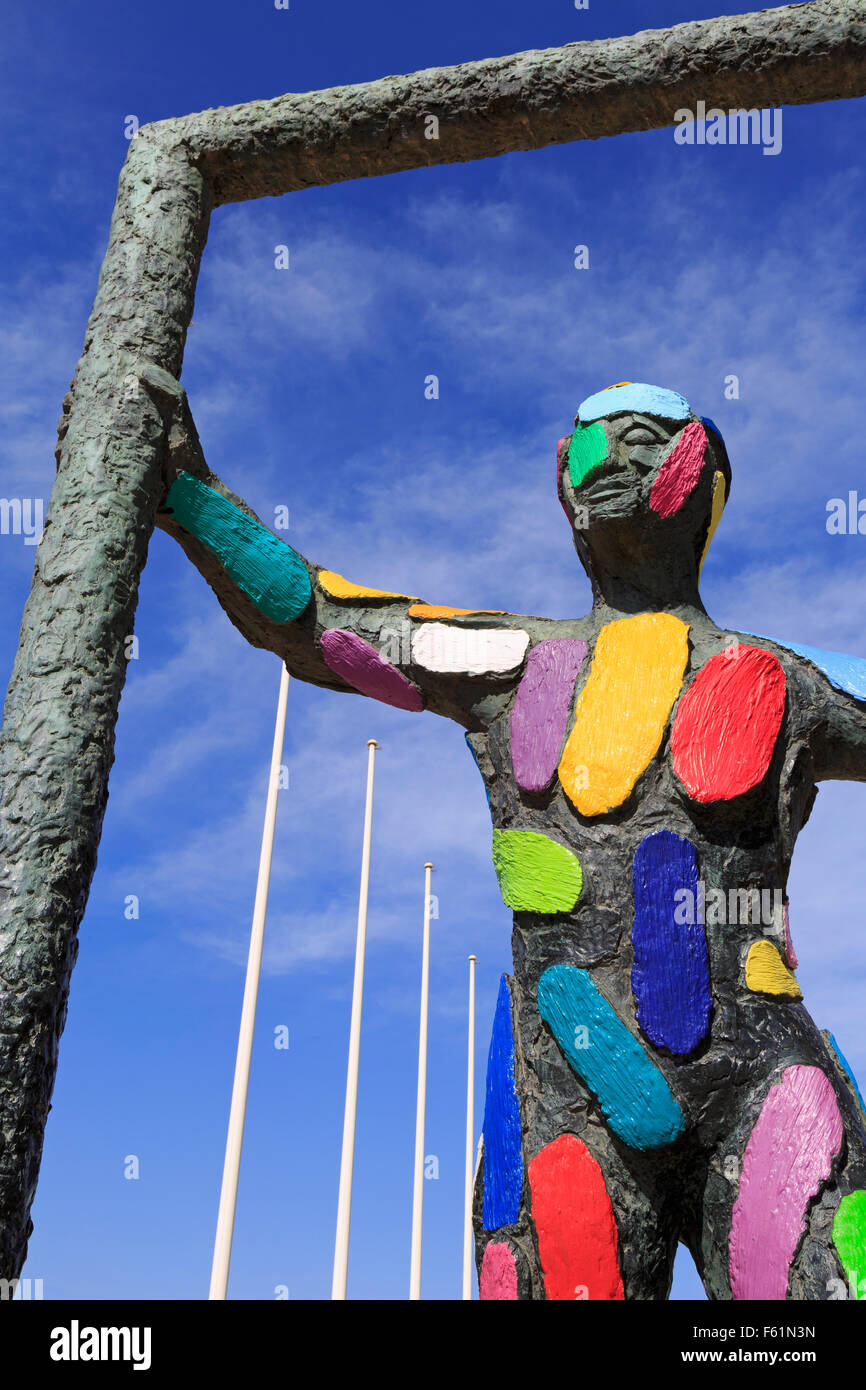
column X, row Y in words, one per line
column 679, row 474
column 789, row 1155
column 498, row 1274
column 362, row 667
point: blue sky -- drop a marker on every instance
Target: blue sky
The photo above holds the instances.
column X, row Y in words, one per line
column 308, row 390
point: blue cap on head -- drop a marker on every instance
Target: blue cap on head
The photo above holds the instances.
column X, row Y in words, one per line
column 634, row 396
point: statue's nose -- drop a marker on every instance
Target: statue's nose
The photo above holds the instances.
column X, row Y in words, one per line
column 644, row 459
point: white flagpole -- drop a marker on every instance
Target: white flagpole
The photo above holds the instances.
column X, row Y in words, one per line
column 231, row 1169
column 470, row 1128
column 344, row 1203
column 418, row 1193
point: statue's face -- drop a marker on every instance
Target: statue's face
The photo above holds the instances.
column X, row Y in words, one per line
column 639, row 473
column 621, row 483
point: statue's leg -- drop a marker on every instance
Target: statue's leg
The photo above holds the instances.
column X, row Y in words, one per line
column 563, row 1208
column 784, row 1208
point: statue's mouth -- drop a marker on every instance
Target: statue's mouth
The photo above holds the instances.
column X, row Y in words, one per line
column 610, row 480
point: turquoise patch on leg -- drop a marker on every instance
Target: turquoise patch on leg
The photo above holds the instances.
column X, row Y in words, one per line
column 847, row 1068
column 635, row 1098
column 268, row 571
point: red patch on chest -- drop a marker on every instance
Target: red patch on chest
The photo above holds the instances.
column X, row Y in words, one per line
column 727, row 723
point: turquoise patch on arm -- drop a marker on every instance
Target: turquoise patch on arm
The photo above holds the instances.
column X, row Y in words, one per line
column 847, row 673
column 635, row 1098
column 268, row 571
column 638, row 397
column 588, row 448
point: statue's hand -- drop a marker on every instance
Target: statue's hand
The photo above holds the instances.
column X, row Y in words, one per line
column 184, row 453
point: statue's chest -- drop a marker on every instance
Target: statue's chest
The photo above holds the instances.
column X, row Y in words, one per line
column 597, row 743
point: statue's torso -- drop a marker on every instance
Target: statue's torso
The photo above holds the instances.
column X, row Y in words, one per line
column 657, row 773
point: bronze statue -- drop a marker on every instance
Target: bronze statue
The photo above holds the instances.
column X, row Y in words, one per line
column 654, row 1075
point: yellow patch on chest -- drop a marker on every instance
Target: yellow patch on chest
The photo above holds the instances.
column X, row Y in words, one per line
column 621, row 713
column 767, row 973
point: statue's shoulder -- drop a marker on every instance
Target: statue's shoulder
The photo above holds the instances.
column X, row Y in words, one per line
column 845, row 672
column 560, row 629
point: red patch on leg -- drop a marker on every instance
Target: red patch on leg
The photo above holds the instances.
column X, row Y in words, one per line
column 577, row 1236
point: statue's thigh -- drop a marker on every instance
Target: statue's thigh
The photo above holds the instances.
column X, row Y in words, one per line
column 585, row 1222
column 564, row 1209
column 784, row 1209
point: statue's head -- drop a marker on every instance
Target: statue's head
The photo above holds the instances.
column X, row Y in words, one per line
column 643, row 479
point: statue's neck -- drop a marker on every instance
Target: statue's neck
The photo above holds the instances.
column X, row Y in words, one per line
column 629, row 578
column 616, row 597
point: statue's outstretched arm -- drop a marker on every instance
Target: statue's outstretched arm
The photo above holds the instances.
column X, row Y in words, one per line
column 840, row 742
column 829, row 690
column 329, row 631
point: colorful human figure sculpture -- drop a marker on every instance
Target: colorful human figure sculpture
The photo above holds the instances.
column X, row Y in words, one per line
column 654, row 1076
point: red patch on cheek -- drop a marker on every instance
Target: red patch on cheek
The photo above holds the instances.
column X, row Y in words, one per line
column 679, row 474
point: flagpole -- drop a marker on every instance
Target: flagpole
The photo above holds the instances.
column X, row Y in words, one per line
column 470, row 1129
column 344, row 1203
column 234, row 1142
column 418, row 1193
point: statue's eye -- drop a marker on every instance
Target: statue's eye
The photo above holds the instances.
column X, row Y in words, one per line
column 639, row 434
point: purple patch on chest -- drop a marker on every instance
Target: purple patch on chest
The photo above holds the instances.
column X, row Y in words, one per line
column 361, row 665
column 540, row 712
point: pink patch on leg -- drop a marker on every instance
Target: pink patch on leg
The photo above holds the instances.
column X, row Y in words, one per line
column 498, row 1273
column 679, row 474
column 789, row 1155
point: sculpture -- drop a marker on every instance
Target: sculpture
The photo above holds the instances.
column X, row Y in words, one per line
column 120, row 417
column 653, row 1075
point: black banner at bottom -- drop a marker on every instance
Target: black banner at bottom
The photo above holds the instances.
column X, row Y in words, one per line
column 83, row 1339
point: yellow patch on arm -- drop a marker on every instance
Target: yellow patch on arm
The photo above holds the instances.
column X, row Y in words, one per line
column 438, row 610
column 335, row 586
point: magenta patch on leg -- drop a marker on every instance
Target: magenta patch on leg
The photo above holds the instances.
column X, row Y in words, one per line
column 790, row 953
column 362, row 666
column 540, row 711
column 498, row 1273
column 789, row 1154
column 679, row 474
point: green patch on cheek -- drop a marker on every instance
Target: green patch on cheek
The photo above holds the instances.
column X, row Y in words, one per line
column 588, row 448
